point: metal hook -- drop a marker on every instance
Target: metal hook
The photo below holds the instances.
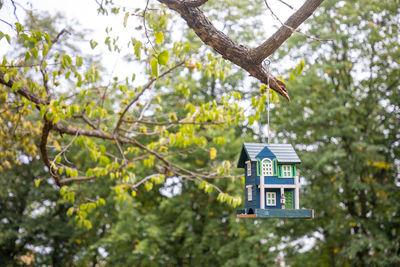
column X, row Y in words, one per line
column 266, row 62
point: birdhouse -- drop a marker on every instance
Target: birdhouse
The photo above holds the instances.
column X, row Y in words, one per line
column 271, row 182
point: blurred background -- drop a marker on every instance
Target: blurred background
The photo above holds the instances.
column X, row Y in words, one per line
column 343, row 120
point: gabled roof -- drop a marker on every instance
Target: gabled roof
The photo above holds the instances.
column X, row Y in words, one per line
column 284, row 153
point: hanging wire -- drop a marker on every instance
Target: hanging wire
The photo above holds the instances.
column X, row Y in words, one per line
column 266, row 63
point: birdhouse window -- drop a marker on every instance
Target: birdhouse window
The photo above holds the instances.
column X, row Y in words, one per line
column 271, row 199
column 267, row 168
column 248, row 168
column 286, row 171
column 249, row 193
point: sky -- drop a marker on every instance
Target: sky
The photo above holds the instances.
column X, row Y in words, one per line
column 85, row 12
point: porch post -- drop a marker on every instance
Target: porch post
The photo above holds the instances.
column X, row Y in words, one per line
column 296, row 193
column 262, row 192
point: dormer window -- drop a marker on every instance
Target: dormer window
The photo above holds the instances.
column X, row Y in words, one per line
column 248, row 168
column 286, row 171
column 267, row 168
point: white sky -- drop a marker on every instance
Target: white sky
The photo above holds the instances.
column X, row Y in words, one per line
column 85, row 12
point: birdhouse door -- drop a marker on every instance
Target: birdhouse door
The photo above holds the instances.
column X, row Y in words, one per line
column 289, row 200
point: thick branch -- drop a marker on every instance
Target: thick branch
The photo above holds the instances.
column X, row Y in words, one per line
column 43, row 149
column 195, row 3
column 248, row 59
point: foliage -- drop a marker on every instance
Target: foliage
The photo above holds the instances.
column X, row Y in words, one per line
column 344, row 120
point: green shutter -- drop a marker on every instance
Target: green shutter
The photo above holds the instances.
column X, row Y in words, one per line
column 258, row 167
column 294, row 170
column 279, row 171
column 275, row 167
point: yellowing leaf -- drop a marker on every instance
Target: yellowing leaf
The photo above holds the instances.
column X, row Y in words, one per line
column 138, row 47
column 352, row 224
column 7, row 164
column 213, row 153
column 133, row 193
column 381, row 165
column 154, row 67
column 159, row 37
column 57, row 145
column 37, row 182
column 126, row 18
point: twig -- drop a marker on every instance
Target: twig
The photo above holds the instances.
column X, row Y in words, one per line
column 55, row 40
column 292, row 29
column 120, row 150
column 67, row 146
column 283, row 2
column 144, row 24
column 175, row 122
column 15, row 10
column 141, row 93
column 86, row 119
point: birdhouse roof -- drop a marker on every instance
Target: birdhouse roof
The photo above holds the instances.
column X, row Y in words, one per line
column 284, row 153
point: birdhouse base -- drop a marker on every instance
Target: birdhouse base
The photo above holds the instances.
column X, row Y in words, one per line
column 277, row 213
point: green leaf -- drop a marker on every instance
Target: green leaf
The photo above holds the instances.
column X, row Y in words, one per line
column 251, row 120
column 126, row 18
column 8, row 38
column 302, row 64
column 6, row 77
column 163, row 57
column 93, row 44
column 154, row 67
column 70, row 211
column 78, row 61
column 138, row 47
column 159, row 37
column 87, row 224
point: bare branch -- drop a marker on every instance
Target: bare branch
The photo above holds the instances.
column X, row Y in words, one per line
column 55, row 40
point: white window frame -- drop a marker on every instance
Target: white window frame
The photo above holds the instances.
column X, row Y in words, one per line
column 267, row 168
column 248, row 168
column 286, row 173
column 249, row 192
column 270, row 198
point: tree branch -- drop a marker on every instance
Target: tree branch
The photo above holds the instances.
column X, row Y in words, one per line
column 248, row 59
column 43, row 149
column 24, row 91
column 194, row 3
